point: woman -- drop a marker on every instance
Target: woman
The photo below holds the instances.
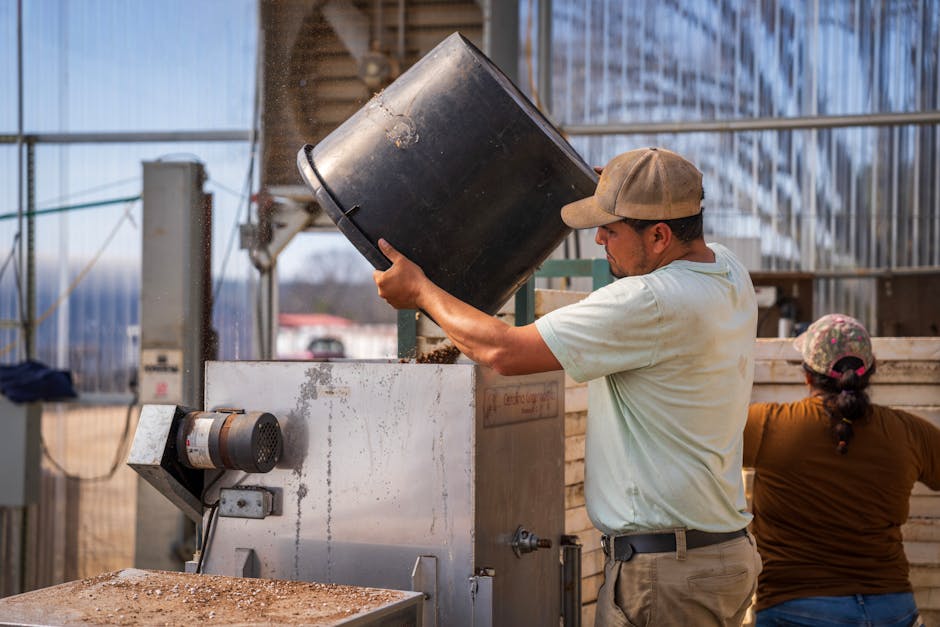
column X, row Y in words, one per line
column 833, row 480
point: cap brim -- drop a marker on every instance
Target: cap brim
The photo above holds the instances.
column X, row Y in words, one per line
column 586, row 214
column 798, row 342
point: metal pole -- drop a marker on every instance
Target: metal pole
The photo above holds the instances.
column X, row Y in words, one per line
column 545, row 56
column 935, row 258
column 918, row 99
column 814, row 142
column 29, row 331
column 121, row 137
column 895, row 144
column 571, row 581
column 21, row 250
column 757, row 124
column 63, row 314
column 29, row 335
column 775, row 152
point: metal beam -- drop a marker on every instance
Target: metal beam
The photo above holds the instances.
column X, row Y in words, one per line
column 545, row 48
column 131, row 137
column 867, row 273
column 756, row 124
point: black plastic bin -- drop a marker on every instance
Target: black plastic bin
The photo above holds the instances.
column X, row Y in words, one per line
column 455, row 168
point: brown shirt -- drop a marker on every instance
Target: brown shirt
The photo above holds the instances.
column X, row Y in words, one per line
column 829, row 524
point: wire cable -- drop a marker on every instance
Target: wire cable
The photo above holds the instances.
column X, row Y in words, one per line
column 225, row 257
column 91, row 190
column 3, row 269
column 249, row 180
column 78, row 279
column 226, row 188
column 120, row 452
column 20, row 300
column 208, row 487
column 207, row 537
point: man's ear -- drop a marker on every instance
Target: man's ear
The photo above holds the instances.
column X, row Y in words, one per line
column 660, row 236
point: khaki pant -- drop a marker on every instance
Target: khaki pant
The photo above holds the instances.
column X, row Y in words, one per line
column 711, row 585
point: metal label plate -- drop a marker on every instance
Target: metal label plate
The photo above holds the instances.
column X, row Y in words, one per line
column 510, row 404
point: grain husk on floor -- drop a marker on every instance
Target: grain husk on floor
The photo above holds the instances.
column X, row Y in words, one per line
column 153, row 597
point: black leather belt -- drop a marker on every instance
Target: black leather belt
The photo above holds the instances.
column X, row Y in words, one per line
column 663, row 542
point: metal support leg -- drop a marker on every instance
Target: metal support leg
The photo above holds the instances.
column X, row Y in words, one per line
column 571, row 581
column 424, row 579
column 246, row 563
column 481, row 594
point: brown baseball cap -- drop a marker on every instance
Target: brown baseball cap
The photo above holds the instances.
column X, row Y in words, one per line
column 645, row 184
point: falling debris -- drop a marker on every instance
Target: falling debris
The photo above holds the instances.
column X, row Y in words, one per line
column 447, row 354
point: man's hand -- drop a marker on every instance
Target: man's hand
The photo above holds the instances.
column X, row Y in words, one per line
column 401, row 284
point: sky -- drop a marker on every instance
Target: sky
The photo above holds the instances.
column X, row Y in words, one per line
column 126, row 66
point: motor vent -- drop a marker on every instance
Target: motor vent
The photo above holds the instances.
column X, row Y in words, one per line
column 269, row 444
column 235, row 440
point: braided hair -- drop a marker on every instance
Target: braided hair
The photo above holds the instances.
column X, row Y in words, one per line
column 845, row 398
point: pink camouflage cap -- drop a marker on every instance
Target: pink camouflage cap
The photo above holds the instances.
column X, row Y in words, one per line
column 831, row 338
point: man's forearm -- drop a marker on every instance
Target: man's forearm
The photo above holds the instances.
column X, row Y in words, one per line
column 478, row 335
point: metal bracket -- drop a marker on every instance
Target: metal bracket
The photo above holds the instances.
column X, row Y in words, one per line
column 245, row 502
column 481, row 600
column 156, row 432
column 571, row 581
column 424, row 579
column 277, row 225
column 246, row 563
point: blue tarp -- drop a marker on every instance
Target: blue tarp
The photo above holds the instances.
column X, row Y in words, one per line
column 34, row 381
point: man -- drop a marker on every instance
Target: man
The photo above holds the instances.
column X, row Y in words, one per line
column 667, row 350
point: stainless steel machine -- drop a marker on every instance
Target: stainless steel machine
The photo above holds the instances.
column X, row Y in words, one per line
column 441, row 478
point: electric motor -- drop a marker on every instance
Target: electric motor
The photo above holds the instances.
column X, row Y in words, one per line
column 234, row 440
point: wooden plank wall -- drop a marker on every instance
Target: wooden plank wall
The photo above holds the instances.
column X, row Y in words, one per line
column 310, row 82
column 908, row 377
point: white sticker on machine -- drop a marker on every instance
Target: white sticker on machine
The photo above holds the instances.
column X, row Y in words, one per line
column 161, row 376
column 197, row 444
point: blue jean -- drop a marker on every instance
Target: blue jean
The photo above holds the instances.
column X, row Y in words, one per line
column 864, row 610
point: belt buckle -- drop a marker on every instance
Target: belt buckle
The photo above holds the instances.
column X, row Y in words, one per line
column 627, row 553
column 611, row 547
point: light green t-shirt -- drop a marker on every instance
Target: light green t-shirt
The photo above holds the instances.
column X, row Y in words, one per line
column 669, row 360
